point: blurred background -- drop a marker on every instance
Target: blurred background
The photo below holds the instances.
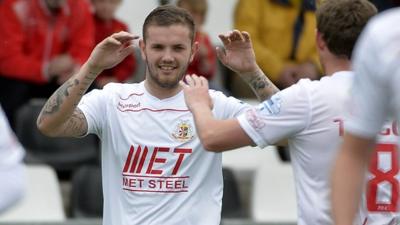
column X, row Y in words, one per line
column 63, row 176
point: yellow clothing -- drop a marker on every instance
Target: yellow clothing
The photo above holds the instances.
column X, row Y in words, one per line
column 271, row 26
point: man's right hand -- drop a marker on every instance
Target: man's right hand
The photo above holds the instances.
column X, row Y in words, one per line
column 111, row 51
column 238, row 54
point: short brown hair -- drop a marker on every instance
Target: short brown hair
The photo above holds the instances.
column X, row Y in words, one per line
column 169, row 15
column 341, row 21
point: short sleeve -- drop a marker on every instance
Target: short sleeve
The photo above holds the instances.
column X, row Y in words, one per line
column 93, row 106
column 227, row 107
column 280, row 117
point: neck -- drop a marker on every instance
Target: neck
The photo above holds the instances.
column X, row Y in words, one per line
column 336, row 64
column 161, row 92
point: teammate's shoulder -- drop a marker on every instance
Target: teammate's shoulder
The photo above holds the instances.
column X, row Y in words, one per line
column 385, row 19
column 215, row 93
column 383, row 23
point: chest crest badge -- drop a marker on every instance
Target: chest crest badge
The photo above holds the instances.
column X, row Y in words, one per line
column 183, row 131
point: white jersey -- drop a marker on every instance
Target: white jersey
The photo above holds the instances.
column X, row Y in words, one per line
column 376, row 59
column 380, row 198
column 12, row 170
column 155, row 171
column 310, row 114
column 11, row 151
column 376, row 97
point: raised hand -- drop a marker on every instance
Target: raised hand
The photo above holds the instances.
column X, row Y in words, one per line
column 196, row 92
column 111, row 51
column 238, row 54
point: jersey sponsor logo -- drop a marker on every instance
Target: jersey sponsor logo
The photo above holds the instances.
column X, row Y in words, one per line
column 128, row 106
column 183, row 131
column 271, row 106
column 131, row 102
column 144, row 170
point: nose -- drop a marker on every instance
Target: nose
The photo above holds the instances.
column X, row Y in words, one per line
column 168, row 56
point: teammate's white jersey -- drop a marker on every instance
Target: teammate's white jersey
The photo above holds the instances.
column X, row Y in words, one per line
column 376, row 92
column 375, row 97
column 311, row 114
column 12, row 170
column 11, row 151
column 380, row 200
column 155, row 171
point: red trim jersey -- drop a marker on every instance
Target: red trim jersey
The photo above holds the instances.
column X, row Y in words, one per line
column 155, row 171
column 311, row 116
column 375, row 98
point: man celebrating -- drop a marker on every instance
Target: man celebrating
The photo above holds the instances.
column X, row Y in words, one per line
column 155, row 171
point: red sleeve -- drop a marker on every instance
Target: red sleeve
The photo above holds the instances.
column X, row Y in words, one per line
column 197, row 66
column 82, row 36
column 211, row 57
column 13, row 61
column 125, row 69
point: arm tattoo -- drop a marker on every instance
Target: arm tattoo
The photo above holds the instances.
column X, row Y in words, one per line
column 56, row 100
column 260, row 84
column 76, row 124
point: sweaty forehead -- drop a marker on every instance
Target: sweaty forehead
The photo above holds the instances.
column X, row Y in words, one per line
column 174, row 34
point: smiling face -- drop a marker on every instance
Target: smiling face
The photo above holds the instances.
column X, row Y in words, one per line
column 167, row 51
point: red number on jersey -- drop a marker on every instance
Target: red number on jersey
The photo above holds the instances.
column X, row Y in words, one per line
column 384, row 167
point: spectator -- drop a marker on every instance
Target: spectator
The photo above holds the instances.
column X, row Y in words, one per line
column 12, row 170
column 105, row 25
column 283, row 34
column 42, row 43
column 205, row 61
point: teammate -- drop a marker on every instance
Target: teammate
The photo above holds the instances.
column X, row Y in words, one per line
column 155, row 171
column 309, row 114
column 375, row 96
column 12, row 170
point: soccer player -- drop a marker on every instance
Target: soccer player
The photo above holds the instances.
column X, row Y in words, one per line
column 375, row 96
column 308, row 114
column 154, row 169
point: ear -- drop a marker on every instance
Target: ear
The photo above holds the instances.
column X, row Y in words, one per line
column 321, row 44
column 142, row 46
column 195, row 49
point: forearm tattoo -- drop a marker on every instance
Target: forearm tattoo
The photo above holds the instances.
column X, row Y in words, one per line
column 76, row 123
column 56, row 100
column 261, row 85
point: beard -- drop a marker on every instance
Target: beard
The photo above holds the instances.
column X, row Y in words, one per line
column 165, row 81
